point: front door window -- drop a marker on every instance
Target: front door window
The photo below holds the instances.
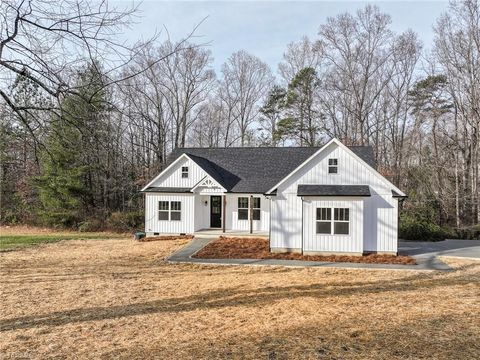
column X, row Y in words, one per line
column 215, row 211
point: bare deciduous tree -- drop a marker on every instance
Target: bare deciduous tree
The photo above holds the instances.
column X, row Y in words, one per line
column 247, row 79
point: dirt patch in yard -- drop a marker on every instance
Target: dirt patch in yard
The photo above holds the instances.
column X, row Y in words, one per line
column 258, row 248
column 119, row 299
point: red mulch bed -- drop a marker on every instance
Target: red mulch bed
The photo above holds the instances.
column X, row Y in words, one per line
column 167, row 237
column 258, row 248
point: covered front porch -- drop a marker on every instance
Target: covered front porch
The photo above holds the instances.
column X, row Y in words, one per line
column 227, row 213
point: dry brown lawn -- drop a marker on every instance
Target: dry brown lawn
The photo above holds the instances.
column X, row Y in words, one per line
column 259, row 248
column 120, row 299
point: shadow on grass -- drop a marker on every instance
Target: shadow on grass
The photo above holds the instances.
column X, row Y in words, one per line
column 233, row 297
column 430, row 338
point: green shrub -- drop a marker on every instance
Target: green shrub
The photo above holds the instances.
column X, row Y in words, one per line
column 125, row 221
column 91, row 225
column 422, row 230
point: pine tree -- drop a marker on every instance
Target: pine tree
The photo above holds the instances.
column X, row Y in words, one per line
column 66, row 187
column 304, row 116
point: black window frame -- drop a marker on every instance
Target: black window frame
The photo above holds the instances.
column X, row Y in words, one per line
column 333, row 166
column 185, row 171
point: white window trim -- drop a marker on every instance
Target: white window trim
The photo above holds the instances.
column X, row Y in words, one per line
column 169, row 211
column 242, row 208
column 185, row 172
column 332, row 166
column 248, row 208
column 333, row 221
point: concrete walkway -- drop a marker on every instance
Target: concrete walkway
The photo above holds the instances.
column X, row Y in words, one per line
column 425, row 253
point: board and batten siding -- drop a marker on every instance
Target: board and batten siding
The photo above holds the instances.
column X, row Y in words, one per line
column 286, row 222
column 381, row 224
column 233, row 223
column 351, row 243
column 154, row 225
column 173, row 177
column 380, row 210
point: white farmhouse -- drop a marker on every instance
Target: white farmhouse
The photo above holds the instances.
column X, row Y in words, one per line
column 316, row 200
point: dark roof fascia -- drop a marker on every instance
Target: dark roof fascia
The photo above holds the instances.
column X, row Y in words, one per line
column 167, row 190
column 398, row 196
column 363, row 191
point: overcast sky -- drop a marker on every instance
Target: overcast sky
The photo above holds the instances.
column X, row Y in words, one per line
column 264, row 28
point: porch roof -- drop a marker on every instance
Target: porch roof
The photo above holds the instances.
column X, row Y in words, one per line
column 333, row 190
column 167, row 189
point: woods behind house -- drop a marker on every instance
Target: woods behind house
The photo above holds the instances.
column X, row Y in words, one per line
column 80, row 135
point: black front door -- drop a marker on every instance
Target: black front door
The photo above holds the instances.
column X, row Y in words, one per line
column 215, row 211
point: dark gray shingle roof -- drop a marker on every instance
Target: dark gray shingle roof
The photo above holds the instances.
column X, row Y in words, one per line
column 333, row 190
column 255, row 169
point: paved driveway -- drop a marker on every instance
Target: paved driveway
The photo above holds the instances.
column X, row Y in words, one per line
column 458, row 248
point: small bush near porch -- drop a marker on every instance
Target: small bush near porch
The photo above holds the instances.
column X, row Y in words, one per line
column 258, row 248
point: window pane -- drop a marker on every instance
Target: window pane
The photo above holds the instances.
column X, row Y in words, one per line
column 256, row 214
column 243, row 203
column 242, row 214
column 256, row 203
column 175, row 215
column 332, row 170
column 184, row 171
column 341, row 214
column 341, row 228
column 332, row 161
column 163, row 215
column 163, row 205
column 176, row 205
column 324, row 214
column 324, row 227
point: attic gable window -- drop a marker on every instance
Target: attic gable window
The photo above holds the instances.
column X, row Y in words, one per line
column 184, row 172
column 333, row 166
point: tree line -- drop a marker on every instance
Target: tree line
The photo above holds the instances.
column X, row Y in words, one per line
column 80, row 138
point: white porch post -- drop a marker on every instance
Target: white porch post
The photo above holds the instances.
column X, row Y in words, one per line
column 224, row 212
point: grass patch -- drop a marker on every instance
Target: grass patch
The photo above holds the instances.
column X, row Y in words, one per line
column 118, row 299
column 258, row 248
column 11, row 242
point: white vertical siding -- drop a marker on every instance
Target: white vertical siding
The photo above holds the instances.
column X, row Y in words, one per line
column 350, row 172
column 173, row 177
column 244, row 225
column 351, row 243
column 380, row 211
column 381, row 224
column 286, row 227
column 202, row 212
column 185, row 225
